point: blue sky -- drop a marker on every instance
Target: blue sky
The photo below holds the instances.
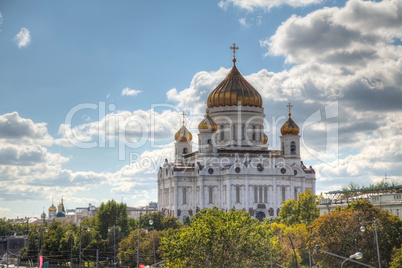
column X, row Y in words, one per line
column 102, row 62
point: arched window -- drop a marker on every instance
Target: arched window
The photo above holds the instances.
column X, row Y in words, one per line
column 283, row 148
column 237, row 194
column 185, row 150
column 293, row 147
column 254, row 137
column 210, row 194
column 283, row 194
column 265, row 194
column 222, row 133
column 243, row 132
column 184, row 195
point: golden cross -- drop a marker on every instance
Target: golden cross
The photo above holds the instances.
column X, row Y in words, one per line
column 289, row 106
column 234, row 48
column 183, row 114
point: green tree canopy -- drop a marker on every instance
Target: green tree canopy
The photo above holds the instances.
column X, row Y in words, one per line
column 303, row 210
column 339, row 232
column 219, row 239
column 112, row 214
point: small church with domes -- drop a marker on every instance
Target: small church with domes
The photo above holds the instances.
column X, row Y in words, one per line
column 233, row 166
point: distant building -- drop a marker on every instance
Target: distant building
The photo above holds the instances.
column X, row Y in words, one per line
column 387, row 198
column 78, row 214
column 135, row 212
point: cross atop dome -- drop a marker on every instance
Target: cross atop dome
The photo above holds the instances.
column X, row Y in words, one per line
column 184, row 115
column 234, row 48
column 289, row 106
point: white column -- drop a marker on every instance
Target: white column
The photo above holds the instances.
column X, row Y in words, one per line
column 303, row 185
column 275, row 192
column 292, row 188
column 313, row 187
column 246, row 194
column 229, row 194
column 176, row 196
column 170, row 195
column 201, row 192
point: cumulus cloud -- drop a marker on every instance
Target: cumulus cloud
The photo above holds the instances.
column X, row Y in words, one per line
column 251, row 5
column 349, row 55
column 14, row 129
column 23, row 38
column 131, row 128
column 1, row 20
column 130, row 92
column 194, row 97
column 361, row 31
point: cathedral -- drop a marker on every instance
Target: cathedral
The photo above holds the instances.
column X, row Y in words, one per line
column 233, row 167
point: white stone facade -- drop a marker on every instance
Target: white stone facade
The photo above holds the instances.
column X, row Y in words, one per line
column 233, row 168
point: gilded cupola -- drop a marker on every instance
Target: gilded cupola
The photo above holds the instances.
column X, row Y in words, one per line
column 265, row 140
column 183, row 135
column 290, row 127
column 52, row 209
column 234, row 90
column 207, row 124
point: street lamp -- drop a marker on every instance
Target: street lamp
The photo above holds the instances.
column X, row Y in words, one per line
column 153, row 237
column 139, row 236
column 72, row 241
column 351, row 258
column 363, row 229
column 40, row 236
column 88, row 229
column 356, row 256
column 271, row 247
column 114, row 243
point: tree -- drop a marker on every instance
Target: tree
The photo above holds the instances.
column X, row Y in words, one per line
column 292, row 240
column 128, row 248
column 157, row 219
column 397, row 259
column 112, row 214
column 5, row 227
column 219, row 239
column 171, row 223
column 339, row 232
column 303, row 210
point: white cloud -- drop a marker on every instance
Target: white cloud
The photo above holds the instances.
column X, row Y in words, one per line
column 130, row 92
column 242, row 21
column 17, row 130
column 133, row 128
column 23, row 38
column 250, row 5
column 1, row 20
column 360, row 32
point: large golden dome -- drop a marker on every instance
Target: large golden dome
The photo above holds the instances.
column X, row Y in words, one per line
column 234, row 90
column 183, row 135
column 207, row 125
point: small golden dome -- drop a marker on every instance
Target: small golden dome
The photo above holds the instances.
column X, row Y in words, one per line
column 207, row 125
column 290, row 127
column 234, row 90
column 265, row 139
column 52, row 208
column 183, row 135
